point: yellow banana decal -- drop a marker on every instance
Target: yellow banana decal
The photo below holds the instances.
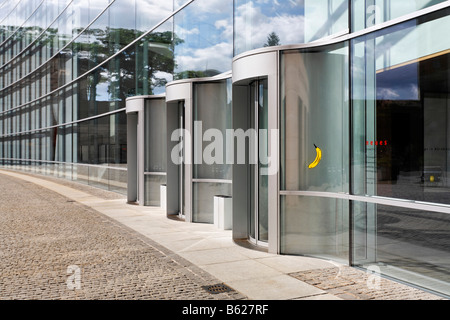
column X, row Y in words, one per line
column 317, row 159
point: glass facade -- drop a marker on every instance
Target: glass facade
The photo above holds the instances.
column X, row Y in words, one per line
column 66, row 68
column 366, row 81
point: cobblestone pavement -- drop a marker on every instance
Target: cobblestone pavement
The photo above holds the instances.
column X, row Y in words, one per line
column 353, row 284
column 54, row 248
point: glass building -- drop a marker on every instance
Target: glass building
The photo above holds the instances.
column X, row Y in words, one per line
column 215, row 109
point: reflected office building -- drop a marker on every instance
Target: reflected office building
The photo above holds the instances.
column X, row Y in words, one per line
column 214, row 110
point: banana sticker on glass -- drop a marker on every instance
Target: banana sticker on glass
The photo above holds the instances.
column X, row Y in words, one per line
column 317, row 159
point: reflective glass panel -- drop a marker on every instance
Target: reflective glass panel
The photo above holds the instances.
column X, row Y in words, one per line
column 401, row 110
column 407, row 244
column 369, row 13
column 315, row 226
column 203, row 199
column 212, row 116
column 155, row 132
column 149, row 13
column 154, row 61
column 203, row 39
column 153, row 189
column 263, row 147
column 314, row 118
column 260, row 24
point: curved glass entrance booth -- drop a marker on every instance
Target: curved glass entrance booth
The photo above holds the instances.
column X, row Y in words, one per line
column 255, row 151
column 198, row 116
column 314, row 115
column 294, row 98
column 146, row 155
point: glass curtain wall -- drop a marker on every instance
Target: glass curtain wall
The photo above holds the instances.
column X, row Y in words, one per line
column 66, row 64
column 401, row 149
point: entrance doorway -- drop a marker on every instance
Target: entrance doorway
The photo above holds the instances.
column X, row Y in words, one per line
column 181, row 166
column 258, row 179
column 177, row 157
column 146, row 150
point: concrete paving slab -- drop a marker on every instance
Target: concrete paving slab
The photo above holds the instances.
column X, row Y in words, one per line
column 279, row 287
column 290, row 264
column 180, row 246
column 210, row 243
column 170, row 236
column 240, row 270
column 213, row 256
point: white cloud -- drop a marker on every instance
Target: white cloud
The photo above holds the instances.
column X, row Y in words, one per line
column 290, row 28
column 215, row 57
column 387, row 94
column 151, row 12
column 212, row 6
column 163, row 75
column 227, row 26
column 182, row 32
column 414, row 89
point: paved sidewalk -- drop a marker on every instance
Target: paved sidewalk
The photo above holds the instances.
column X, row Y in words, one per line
column 132, row 252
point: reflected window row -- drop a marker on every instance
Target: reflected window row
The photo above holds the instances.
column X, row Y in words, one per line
column 108, row 34
column 153, row 61
column 143, row 69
